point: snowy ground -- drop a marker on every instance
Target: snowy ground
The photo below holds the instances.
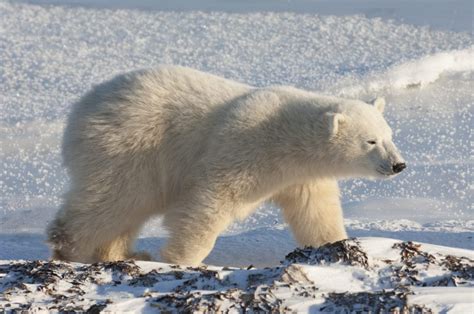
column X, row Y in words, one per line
column 374, row 275
column 419, row 55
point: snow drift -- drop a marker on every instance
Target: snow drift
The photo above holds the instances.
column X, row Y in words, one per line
column 412, row 74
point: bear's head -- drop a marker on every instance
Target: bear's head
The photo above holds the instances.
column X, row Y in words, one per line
column 361, row 141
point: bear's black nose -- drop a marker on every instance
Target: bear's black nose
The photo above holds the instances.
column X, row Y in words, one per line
column 398, row 167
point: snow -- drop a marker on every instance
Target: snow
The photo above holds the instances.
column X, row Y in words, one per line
column 445, row 300
column 390, row 275
column 455, row 15
column 417, row 54
column 417, row 73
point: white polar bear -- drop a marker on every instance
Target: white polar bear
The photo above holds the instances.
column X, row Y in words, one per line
column 204, row 151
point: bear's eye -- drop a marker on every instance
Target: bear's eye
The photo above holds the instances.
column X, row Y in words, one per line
column 372, row 142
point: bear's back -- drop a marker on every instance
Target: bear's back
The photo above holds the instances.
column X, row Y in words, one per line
column 168, row 109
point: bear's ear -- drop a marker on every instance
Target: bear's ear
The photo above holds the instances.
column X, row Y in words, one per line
column 379, row 104
column 334, row 119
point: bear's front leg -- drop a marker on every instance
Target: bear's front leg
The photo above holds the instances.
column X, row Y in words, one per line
column 193, row 233
column 313, row 211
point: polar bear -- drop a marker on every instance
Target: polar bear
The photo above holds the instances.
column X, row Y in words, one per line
column 204, row 151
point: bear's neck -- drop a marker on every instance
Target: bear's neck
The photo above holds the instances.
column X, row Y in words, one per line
column 294, row 142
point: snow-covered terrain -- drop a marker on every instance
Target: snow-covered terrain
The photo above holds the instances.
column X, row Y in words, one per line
column 375, row 275
column 418, row 54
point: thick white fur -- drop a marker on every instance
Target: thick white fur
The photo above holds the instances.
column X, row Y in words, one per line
column 204, row 151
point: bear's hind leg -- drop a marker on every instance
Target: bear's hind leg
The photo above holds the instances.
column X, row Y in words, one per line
column 96, row 228
column 66, row 243
column 59, row 239
column 314, row 212
column 120, row 248
column 99, row 243
column 192, row 234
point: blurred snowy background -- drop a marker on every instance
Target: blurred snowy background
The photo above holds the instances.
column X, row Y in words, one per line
column 418, row 54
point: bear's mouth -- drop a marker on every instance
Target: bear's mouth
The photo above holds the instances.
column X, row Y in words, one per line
column 384, row 173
